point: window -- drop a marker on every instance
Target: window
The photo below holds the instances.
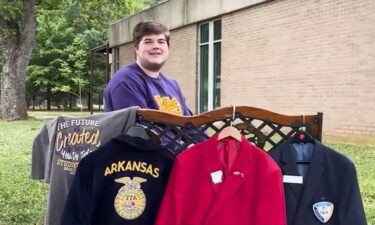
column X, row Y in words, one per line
column 209, row 65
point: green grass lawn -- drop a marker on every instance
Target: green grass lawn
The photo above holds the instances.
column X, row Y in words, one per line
column 22, row 200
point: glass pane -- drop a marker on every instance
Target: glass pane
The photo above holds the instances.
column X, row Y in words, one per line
column 217, row 73
column 203, row 92
column 217, row 30
column 204, row 33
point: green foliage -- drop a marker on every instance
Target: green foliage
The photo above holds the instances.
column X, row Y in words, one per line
column 99, row 14
column 1, row 69
column 10, row 10
column 60, row 55
column 11, row 13
column 65, row 34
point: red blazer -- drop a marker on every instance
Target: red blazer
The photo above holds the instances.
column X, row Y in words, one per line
column 251, row 191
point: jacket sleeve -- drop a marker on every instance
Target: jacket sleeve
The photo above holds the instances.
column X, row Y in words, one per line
column 127, row 94
column 271, row 209
column 351, row 211
column 171, row 207
column 42, row 151
column 79, row 205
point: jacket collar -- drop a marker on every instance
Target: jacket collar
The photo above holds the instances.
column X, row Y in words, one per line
column 139, row 143
column 311, row 181
column 240, row 171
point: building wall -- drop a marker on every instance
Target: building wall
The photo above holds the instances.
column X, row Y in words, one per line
column 182, row 62
column 127, row 54
column 175, row 14
column 291, row 57
column 301, row 57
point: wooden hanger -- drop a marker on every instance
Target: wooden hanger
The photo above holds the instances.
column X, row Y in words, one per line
column 313, row 121
column 230, row 131
column 207, row 120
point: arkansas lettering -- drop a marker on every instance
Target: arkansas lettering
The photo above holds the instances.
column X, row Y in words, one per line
column 138, row 166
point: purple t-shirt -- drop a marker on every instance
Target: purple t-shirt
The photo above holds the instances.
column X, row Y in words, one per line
column 130, row 86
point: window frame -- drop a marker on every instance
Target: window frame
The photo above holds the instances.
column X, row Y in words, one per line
column 211, row 76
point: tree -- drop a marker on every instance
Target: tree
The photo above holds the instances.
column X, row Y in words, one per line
column 54, row 35
column 65, row 35
column 75, row 68
column 17, row 38
column 1, row 75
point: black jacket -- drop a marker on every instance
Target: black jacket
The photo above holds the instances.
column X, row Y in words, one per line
column 331, row 177
column 121, row 183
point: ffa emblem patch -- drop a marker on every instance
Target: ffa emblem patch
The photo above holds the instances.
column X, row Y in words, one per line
column 130, row 201
column 323, row 211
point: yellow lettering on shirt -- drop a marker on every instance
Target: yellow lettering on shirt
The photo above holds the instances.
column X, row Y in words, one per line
column 156, row 172
column 166, row 104
column 137, row 166
column 107, row 171
column 129, row 166
column 83, row 137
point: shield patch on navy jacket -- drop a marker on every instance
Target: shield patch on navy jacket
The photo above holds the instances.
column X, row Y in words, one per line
column 323, row 211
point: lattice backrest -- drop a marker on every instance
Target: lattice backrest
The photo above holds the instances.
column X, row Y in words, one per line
column 264, row 128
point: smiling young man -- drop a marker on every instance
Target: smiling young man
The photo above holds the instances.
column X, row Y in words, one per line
column 141, row 83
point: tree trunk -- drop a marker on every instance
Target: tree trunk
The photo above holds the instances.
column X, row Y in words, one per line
column 17, row 49
column 49, row 98
column 89, row 104
column 65, row 104
column 70, row 102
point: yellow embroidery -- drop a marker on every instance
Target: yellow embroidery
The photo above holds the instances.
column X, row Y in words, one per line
column 130, row 201
column 166, row 104
column 138, row 166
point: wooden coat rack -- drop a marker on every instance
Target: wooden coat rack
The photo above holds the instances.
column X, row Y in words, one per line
column 264, row 128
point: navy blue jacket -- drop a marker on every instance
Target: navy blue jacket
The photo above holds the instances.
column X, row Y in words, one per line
column 331, row 177
column 121, row 183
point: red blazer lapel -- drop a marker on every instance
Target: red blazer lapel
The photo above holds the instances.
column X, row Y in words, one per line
column 212, row 165
column 234, row 179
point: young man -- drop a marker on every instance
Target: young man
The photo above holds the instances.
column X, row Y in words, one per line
column 141, row 83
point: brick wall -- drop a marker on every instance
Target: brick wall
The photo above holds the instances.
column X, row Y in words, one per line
column 182, row 62
column 291, row 57
column 304, row 56
column 127, row 54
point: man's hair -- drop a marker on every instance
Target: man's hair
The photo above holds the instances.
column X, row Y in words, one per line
column 149, row 28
